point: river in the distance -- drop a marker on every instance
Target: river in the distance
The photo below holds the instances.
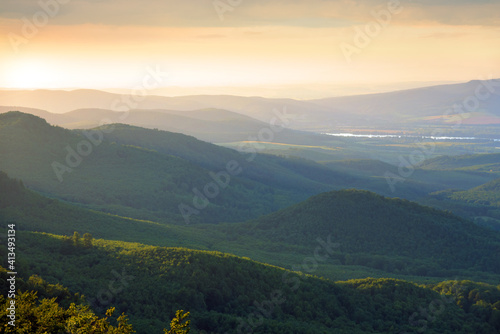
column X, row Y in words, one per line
column 409, row 136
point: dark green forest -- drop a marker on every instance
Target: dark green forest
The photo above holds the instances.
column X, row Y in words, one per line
column 224, row 292
column 284, row 246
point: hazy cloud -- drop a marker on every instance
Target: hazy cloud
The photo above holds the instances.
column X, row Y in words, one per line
column 301, row 13
column 444, row 35
column 210, row 36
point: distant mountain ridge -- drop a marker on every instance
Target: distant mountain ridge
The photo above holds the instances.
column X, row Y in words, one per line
column 479, row 103
column 210, row 124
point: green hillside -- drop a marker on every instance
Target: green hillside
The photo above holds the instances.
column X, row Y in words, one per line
column 143, row 183
column 482, row 203
column 264, row 183
column 279, row 172
column 390, row 234
column 487, row 194
column 371, row 175
column 224, row 292
column 33, row 212
column 286, row 237
column 489, row 163
column 493, row 186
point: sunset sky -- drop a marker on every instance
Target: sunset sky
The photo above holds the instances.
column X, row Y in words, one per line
column 253, row 43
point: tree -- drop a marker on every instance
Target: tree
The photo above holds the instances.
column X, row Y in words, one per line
column 43, row 316
column 179, row 324
column 76, row 239
column 67, row 246
column 87, row 240
column 83, row 320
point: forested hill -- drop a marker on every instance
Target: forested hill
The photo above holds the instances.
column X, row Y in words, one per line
column 362, row 222
column 118, row 175
column 282, row 173
column 34, row 212
column 493, row 186
column 227, row 294
column 487, row 194
column 476, row 162
column 482, row 203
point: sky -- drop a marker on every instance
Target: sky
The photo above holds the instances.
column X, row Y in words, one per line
column 262, row 47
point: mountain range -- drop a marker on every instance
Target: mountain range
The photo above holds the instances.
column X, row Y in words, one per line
column 471, row 103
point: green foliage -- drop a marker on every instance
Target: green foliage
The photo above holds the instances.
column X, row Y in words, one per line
column 224, row 292
column 476, row 162
column 83, row 320
column 41, row 307
column 76, row 239
column 485, row 195
column 409, row 238
column 87, row 240
column 179, row 324
column 389, row 234
column 36, row 316
column 480, row 299
column 146, row 174
column 481, row 201
column 371, row 175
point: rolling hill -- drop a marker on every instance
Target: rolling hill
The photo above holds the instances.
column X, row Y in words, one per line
column 212, row 125
column 34, row 212
column 390, row 234
column 422, row 106
column 209, row 124
column 469, row 162
column 371, row 175
column 223, row 291
column 121, row 176
column 227, row 293
column 187, row 164
column 58, row 101
column 487, row 194
column 131, row 181
column 425, row 106
column 481, row 204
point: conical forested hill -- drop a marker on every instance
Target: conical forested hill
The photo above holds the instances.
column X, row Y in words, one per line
column 365, row 224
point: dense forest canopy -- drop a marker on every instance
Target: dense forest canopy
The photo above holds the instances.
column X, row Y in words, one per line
column 282, row 248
